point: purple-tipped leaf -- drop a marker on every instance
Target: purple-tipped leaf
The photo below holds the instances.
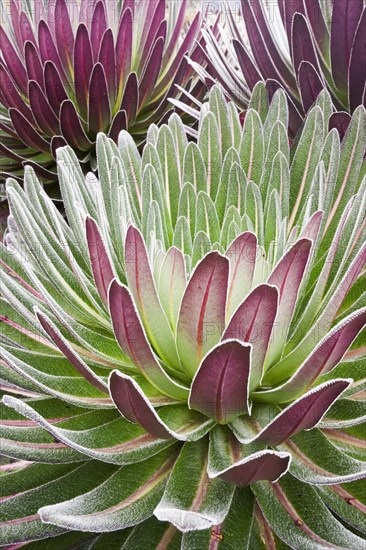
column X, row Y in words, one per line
column 340, row 121
column 142, row 286
column 252, row 323
column 220, row 388
column 10, row 96
column 311, row 229
column 264, row 465
column 323, row 359
column 131, row 337
column 26, row 30
column 287, row 277
column 48, row 51
column 202, row 314
column 303, row 48
column 133, row 405
column 130, row 99
column 303, row 414
column 118, row 124
column 101, row 266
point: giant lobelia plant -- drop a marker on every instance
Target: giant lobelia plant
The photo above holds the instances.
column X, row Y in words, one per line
column 71, row 69
column 303, row 46
column 182, row 362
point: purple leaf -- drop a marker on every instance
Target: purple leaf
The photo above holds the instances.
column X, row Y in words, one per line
column 13, row 62
column 151, row 72
column 47, row 50
column 69, row 353
column 248, row 68
column 101, row 266
column 220, row 388
column 323, row 359
column 261, row 53
column 153, row 34
column 130, row 98
column 44, row 115
column 315, row 17
column 99, row 112
column 303, row 414
column 131, row 337
column 202, row 314
column 107, row 59
column 132, row 404
column 10, row 96
column 118, row 124
column 83, row 65
column 98, row 27
column 26, row 30
column 27, row 133
column 263, row 29
column 71, row 127
column 303, row 48
column 55, row 90
column 264, row 465
column 124, row 50
column 64, row 34
column 56, row 142
column 345, row 18
column 340, row 121
column 33, row 64
column 253, row 322
column 310, row 84
column 357, row 70
column 242, row 256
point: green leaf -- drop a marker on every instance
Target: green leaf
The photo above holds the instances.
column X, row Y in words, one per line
column 206, row 217
column 251, row 149
column 194, row 170
column 218, row 106
column 200, row 504
column 289, row 506
column 209, row 144
column 259, row 100
column 127, row 497
column 170, row 161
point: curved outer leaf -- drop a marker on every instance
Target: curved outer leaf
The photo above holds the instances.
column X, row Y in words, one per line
column 141, row 283
column 220, row 387
column 104, row 436
column 303, row 414
column 194, row 506
column 242, row 256
column 289, row 506
column 135, row 407
column 323, row 359
column 316, row 460
column 252, row 322
column 100, row 262
column 126, row 498
column 202, row 314
column 131, row 337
